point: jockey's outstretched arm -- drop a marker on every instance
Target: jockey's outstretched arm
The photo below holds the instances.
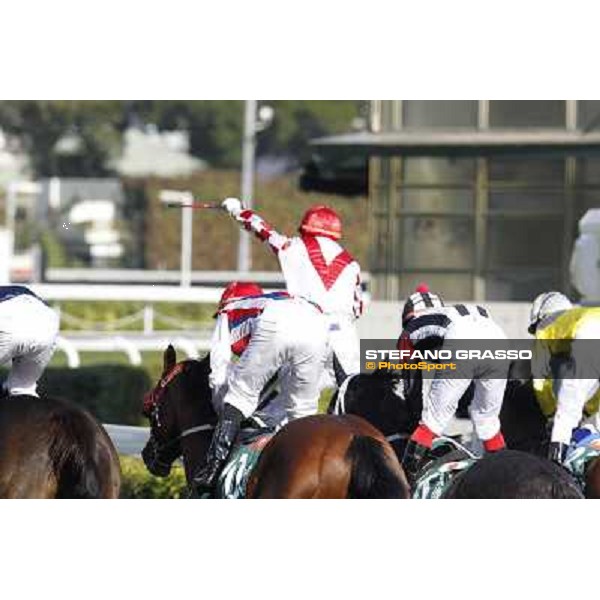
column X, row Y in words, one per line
column 253, row 222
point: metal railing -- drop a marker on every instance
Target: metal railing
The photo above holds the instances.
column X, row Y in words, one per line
column 132, row 344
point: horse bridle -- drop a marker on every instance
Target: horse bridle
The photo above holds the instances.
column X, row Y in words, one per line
column 152, row 402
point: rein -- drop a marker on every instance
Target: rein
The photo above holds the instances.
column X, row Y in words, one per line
column 151, row 405
column 184, row 434
column 197, row 429
column 394, row 437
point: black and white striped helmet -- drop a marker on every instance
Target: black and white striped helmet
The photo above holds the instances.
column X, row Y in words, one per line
column 417, row 302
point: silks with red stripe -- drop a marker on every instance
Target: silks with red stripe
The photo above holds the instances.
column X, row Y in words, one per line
column 328, row 273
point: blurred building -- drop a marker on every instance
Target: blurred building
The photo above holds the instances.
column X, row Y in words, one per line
column 78, row 218
column 149, row 152
column 480, row 199
column 14, row 163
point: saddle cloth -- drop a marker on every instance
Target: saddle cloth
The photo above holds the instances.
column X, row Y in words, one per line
column 233, row 480
column 436, row 476
column 580, row 453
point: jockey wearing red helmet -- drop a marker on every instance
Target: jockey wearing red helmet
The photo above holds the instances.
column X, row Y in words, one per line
column 321, row 220
column 231, row 334
column 270, row 333
column 236, row 290
column 316, row 267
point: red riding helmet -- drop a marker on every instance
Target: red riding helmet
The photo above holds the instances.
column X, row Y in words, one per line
column 239, row 289
column 321, row 220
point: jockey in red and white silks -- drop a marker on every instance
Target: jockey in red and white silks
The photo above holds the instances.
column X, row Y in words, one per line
column 230, row 336
column 270, row 332
column 316, row 267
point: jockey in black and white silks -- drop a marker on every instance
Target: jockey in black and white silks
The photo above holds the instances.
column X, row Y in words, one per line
column 429, row 324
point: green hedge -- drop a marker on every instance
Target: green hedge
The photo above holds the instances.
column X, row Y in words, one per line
column 113, row 393
column 136, row 481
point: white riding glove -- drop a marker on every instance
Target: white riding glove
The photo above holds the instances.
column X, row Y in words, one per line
column 233, row 206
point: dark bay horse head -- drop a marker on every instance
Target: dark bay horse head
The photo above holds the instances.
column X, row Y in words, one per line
column 180, row 413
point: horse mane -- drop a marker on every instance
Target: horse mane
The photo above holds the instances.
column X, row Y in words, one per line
column 523, row 423
column 202, row 363
column 386, row 380
column 386, row 375
column 198, row 369
column 196, row 386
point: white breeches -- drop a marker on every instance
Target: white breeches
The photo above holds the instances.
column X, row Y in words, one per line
column 344, row 341
column 441, row 397
column 292, row 335
column 28, row 332
column 571, row 394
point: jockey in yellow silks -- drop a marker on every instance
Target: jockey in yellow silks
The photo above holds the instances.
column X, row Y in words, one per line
column 564, row 389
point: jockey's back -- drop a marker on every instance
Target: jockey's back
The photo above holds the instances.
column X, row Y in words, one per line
column 558, row 332
column 314, row 266
column 238, row 318
column 465, row 321
column 319, row 269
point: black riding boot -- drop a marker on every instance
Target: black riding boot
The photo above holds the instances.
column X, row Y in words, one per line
column 220, row 446
column 557, row 452
column 414, row 455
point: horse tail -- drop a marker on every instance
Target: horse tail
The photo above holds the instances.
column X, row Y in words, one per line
column 83, row 462
column 373, row 474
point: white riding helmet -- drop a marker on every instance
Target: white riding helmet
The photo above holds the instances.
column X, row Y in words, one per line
column 547, row 304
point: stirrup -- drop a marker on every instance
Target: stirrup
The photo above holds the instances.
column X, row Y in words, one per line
column 208, row 475
column 557, row 452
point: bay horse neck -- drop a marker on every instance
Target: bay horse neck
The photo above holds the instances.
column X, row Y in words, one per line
column 195, row 415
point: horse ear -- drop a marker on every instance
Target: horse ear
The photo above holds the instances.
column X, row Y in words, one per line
column 169, row 358
column 338, row 370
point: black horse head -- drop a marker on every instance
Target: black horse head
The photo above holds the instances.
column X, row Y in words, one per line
column 177, row 407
